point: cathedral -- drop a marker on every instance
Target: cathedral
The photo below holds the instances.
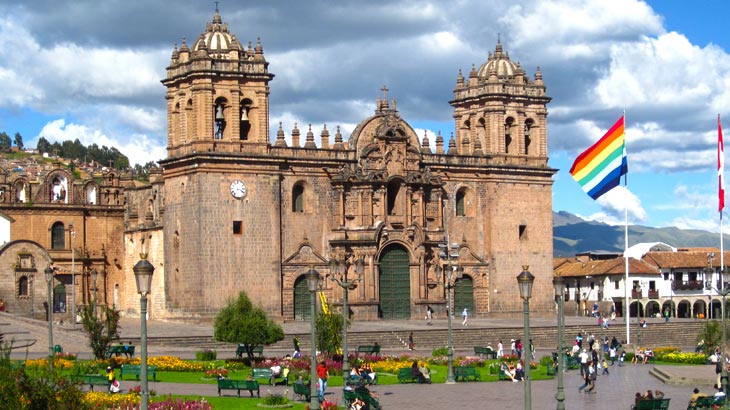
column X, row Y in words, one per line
column 231, row 209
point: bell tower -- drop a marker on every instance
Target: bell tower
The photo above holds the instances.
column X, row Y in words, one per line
column 217, row 94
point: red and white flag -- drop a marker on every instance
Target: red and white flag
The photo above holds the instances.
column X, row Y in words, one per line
column 720, row 167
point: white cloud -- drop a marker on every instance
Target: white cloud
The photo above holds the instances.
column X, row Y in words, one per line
column 615, row 203
column 139, row 148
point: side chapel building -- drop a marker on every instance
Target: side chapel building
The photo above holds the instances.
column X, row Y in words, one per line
column 232, row 211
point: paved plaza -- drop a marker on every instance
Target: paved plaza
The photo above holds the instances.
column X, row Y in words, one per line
column 613, row 391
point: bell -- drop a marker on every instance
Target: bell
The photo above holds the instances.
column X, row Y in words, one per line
column 219, row 112
column 244, row 114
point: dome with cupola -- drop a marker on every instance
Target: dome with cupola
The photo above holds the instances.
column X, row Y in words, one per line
column 499, row 64
column 217, row 40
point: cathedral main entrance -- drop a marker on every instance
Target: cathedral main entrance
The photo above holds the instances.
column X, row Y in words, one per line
column 395, row 284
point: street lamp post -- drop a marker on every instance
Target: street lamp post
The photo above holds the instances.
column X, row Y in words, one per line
column 338, row 269
column 49, row 280
column 32, row 295
column 525, row 280
column 559, row 285
column 143, row 271
column 312, row 284
column 447, row 281
column 94, row 274
column 72, row 234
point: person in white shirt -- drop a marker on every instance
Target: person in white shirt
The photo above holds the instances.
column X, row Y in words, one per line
column 500, row 349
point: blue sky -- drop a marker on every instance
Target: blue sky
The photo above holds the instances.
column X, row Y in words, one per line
column 91, row 70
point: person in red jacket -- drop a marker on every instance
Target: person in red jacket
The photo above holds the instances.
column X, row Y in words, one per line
column 322, row 374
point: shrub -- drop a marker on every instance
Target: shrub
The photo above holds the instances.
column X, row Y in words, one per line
column 440, row 352
column 272, row 399
column 546, row 361
column 206, row 355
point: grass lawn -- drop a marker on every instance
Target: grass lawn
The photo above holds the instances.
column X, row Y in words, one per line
column 232, row 403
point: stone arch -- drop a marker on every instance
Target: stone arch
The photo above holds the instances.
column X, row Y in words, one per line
column 528, row 136
column 464, row 294
column 91, row 193
column 636, row 309
column 652, row 308
column 58, row 186
column 509, row 124
column 221, row 116
column 246, row 110
column 699, row 308
column 21, row 190
column 189, row 120
column 684, row 309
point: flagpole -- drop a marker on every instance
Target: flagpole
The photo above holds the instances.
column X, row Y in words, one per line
column 627, row 309
column 721, row 196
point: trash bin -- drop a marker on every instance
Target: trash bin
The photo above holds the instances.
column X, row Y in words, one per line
column 57, row 349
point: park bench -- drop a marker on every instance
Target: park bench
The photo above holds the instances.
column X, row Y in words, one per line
column 118, row 350
column 238, row 385
column 264, row 373
column 653, row 404
column 485, row 351
column 303, row 391
column 465, row 373
column 570, row 361
column 135, row 369
column 92, row 380
column 369, row 349
column 351, row 395
column 705, row 403
column 257, row 350
column 552, row 369
column 405, row 375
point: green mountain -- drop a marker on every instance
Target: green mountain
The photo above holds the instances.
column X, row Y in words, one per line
column 572, row 235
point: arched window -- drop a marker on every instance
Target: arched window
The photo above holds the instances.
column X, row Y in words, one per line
column 395, row 198
column 508, row 134
column 23, row 286
column 297, row 198
column 245, row 119
column 219, row 115
column 528, row 139
column 58, row 236
column 461, row 202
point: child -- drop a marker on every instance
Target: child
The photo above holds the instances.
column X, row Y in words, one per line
column 605, row 366
column 621, row 358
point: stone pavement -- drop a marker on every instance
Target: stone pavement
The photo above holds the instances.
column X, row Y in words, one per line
column 613, row 391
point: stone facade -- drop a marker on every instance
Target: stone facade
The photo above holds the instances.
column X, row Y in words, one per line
column 231, row 211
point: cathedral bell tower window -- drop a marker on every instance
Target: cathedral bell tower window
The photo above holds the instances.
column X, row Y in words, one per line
column 508, row 134
column 220, row 121
column 245, row 128
column 528, row 140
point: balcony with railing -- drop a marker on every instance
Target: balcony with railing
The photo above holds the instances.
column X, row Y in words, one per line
column 653, row 294
column 688, row 285
column 636, row 294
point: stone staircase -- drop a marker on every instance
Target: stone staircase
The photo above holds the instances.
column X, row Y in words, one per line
column 679, row 334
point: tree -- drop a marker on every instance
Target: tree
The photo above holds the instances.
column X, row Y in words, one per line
column 4, row 142
column 329, row 333
column 19, row 140
column 43, row 145
column 243, row 323
column 102, row 329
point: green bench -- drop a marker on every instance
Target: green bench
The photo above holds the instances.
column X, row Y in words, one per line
column 406, row 376
column 303, row 391
column 465, row 373
column 369, row 349
column 264, row 373
column 118, row 350
column 351, row 395
column 705, row 403
column 488, row 352
column 653, row 404
column 92, row 380
column 570, row 361
column 552, row 369
column 238, row 385
column 135, row 369
column 257, row 350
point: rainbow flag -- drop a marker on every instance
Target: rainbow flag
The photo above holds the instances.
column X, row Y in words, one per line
column 599, row 168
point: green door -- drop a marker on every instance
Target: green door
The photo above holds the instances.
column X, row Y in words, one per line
column 302, row 300
column 464, row 295
column 395, row 284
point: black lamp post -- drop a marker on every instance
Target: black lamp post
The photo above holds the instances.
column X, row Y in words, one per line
column 31, row 279
column 49, row 280
column 525, row 280
column 338, row 269
column 559, row 285
column 143, row 271
column 94, row 275
column 312, row 284
column 447, row 281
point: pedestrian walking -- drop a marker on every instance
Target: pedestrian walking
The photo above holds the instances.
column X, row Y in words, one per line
column 500, row 349
column 605, row 366
column 612, row 354
column 532, row 350
column 465, row 317
column 410, row 341
column 666, row 315
column 591, row 380
column 429, row 315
